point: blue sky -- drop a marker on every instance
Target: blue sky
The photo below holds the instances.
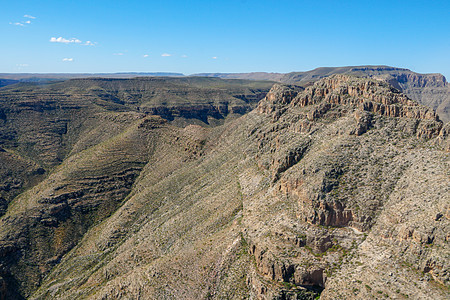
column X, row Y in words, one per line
column 222, row 36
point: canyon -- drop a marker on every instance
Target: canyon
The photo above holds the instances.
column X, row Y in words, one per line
column 330, row 184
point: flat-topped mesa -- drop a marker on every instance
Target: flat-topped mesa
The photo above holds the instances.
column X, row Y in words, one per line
column 370, row 95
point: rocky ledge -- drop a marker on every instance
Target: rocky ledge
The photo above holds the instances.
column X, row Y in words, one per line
column 368, row 95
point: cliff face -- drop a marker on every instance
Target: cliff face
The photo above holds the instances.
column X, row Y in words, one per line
column 339, row 189
column 431, row 90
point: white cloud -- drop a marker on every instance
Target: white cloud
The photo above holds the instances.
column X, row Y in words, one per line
column 166, row 54
column 67, row 59
column 65, row 41
column 214, row 57
column 184, row 55
column 23, row 23
column 118, row 53
column 145, row 55
column 71, row 41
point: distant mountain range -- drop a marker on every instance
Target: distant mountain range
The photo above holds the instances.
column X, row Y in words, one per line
column 12, row 78
column 431, row 90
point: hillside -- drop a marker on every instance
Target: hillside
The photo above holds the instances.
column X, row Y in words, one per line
column 112, row 189
column 42, row 125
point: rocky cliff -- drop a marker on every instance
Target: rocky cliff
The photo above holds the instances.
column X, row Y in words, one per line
column 338, row 190
column 431, row 90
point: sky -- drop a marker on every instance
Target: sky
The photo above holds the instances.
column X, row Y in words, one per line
column 77, row 36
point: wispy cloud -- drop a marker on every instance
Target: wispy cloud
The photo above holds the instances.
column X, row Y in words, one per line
column 184, row 55
column 67, row 59
column 145, row 55
column 214, row 57
column 65, row 41
column 120, row 53
column 23, row 23
column 71, row 41
column 166, row 55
